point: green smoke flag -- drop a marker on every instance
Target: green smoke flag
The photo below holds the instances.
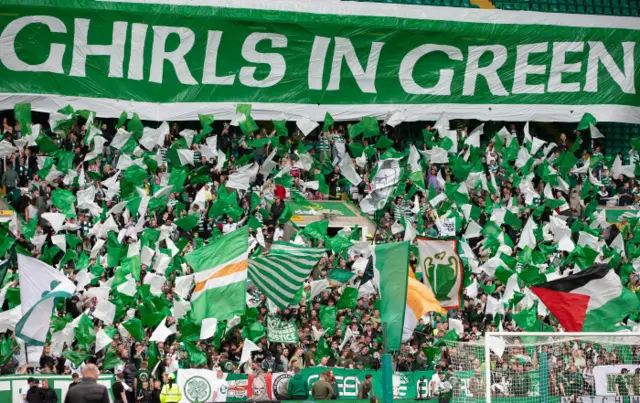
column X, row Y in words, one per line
column 587, row 119
column 328, row 121
column 85, row 335
column 391, row 268
column 328, row 315
column 195, row 355
column 135, row 328
column 76, row 357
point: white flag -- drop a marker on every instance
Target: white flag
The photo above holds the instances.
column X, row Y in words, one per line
column 105, row 311
column 161, row 332
column 186, row 157
column 197, row 385
column 40, row 284
column 102, row 340
column 248, row 348
column 306, row 125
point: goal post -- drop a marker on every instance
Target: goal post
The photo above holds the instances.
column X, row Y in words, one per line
column 539, row 367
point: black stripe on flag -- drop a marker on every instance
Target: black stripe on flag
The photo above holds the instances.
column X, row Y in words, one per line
column 570, row 283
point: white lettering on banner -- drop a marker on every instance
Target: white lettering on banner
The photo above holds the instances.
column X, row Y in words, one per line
column 489, row 72
column 136, row 56
column 316, row 61
column 560, row 66
column 274, row 60
column 8, row 55
column 211, row 60
column 347, row 385
column 598, row 54
column 614, row 60
column 82, row 49
column 523, row 68
column 176, row 57
column 366, row 79
column 601, row 399
column 443, row 87
column 13, row 387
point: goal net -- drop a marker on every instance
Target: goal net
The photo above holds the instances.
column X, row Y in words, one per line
column 545, row 368
column 562, row 367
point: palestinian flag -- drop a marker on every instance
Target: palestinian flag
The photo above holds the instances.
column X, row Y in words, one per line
column 591, row 301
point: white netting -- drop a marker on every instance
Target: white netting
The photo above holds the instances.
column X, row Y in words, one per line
column 554, row 368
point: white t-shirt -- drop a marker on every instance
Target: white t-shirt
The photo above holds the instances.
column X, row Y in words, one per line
column 222, row 387
column 23, row 393
column 435, row 380
column 73, row 368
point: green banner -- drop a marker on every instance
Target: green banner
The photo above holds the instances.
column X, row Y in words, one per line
column 280, row 331
column 11, row 386
column 315, row 208
column 171, row 60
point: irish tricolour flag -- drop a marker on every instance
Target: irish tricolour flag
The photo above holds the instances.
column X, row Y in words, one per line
column 590, row 301
column 221, row 277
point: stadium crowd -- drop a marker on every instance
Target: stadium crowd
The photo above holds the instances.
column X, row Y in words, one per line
column 507, row 194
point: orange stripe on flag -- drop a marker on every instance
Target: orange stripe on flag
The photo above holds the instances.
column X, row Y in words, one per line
column 223, row 272
column 421, row 299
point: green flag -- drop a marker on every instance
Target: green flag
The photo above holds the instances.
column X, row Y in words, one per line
column 76, row 357
column 187, row 222
column 587, row 119
column 316, row 230
column 391, row 265
column 349, row 298
column 111, row 360
column 85, row 335
column 254, row 332
column 135, row 328
column 328, row 121
column 328, row 315
column 195, row 355
column 65, row 201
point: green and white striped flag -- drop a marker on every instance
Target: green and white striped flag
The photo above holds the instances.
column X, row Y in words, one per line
column 391, row 276
column 280, row 274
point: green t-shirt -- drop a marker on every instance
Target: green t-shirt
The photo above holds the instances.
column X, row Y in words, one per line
column 623, row 385
column 143, row 375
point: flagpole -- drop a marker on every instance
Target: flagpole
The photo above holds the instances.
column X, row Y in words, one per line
column 387, row 370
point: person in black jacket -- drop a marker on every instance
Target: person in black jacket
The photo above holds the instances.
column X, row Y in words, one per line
column 75, row 380
column 155, row 393
column 144, row 393
column 35, row 394
column 88, row 391
column 129, row 372
column 50, row 395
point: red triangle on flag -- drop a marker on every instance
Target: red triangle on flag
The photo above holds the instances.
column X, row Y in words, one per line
column 569, row 308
